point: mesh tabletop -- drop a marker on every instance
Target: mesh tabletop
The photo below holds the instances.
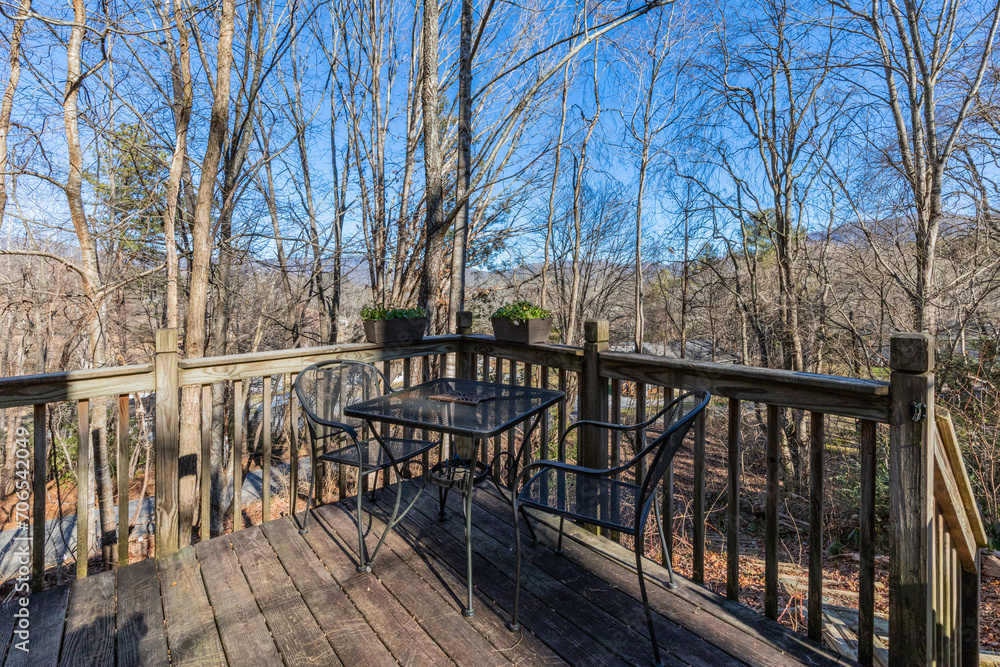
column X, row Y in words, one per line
column 415, row 407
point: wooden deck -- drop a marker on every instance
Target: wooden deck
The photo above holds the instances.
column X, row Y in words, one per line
column 267, row 596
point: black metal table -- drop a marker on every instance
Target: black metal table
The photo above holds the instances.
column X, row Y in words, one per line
column 508, row 406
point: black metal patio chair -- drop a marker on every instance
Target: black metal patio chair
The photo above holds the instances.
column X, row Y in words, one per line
column 601, row 497
column 324, row 390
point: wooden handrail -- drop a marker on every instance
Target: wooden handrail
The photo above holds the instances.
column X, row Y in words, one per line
column 24, row 390
column 565, row 357
column 829, row 394
column 238, row 366
column 27, row 390
column 953, row 492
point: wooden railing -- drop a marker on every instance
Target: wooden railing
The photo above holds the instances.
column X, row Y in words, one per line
column 936, row 531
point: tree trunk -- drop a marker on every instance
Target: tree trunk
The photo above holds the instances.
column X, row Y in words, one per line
column 180, row 69
column 201, row 246
column 552, row 191
column 456, row 300
column 430, row 283
column 8, row 101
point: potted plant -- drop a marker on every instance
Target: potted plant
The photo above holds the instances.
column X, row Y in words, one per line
column 394, row 325
column 521, row 322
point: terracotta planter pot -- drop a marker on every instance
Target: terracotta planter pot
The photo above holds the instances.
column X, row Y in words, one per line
column 525, row 331
column 383, row 332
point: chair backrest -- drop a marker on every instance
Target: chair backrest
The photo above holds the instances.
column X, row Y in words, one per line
column 664, row 448
column 326, row 388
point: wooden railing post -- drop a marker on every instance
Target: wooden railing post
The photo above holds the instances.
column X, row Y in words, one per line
column 591, row 449
column 593, row 394
column 167, row 442
column 464, row 370
column 911, row 423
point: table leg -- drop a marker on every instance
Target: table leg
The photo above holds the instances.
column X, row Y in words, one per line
column 469, row 489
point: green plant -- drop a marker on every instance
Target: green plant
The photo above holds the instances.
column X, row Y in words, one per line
column 519, row 311
column 378, row 313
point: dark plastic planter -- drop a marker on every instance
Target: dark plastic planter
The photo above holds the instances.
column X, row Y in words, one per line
column 525, row 331
column 382, row 332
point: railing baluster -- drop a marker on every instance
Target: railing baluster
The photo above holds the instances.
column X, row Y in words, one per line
column 206, row 461
column 560, row 444
column 238, row 434
column 970, row 613
column 265, row 459
column 38, row 509
column 498, row 374
column 425, row 376
column 733, row 511
column 640, row 435
column 771, row 515
column 529, row 372
column 817, row 451
column 956, row 616
column 121, row 441
column 83, row 518
column 511, row 435
column 936, row 540
column 543, row 382
column 946, row 593
column 866, row 546
column 667, row 486
column 293, row 457
column 615, row 417
column 698, row 454
column 384, row 428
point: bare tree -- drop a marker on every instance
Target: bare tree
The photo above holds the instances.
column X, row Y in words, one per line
column 931, row 62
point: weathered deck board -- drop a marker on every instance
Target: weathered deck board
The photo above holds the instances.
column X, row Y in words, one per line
column 458, row 639
column 90, row 622
column 568, row 641
column 749, row 636
column 191, row 633
column 268, row 595
column 671, row 637
column 142, row 639
column 242, row 628
column 298, row 636
column 409, row 644
column 48, row 619
column 602, row 628
column 7, row 621
column 523, row 648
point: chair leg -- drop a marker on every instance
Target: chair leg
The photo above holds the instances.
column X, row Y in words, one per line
column 363, row 564
column 645, row 601
column 442, row 501
column 531, row 530
column 663, row 545
column 513, row 625
column 312, row 483
column 559, row 549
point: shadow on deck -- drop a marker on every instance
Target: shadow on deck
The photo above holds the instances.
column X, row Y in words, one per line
column 267, row 596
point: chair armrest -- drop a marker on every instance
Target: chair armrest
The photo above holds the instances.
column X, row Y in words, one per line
column 346, row 428
column 609, row 426
column 616, row 427
column 538, row 466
